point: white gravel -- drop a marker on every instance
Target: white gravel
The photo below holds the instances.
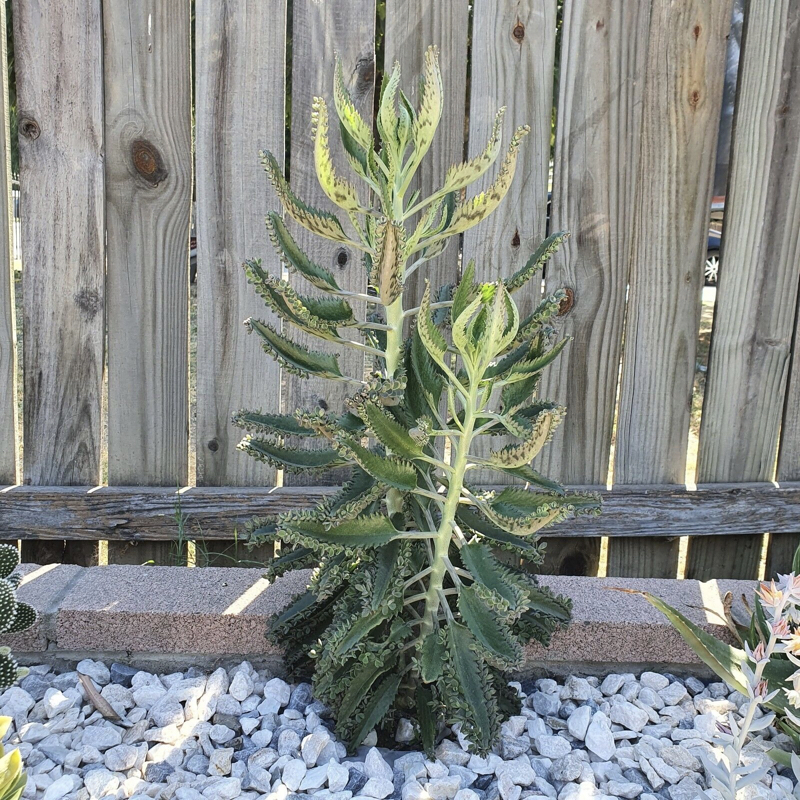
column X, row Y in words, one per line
column 240, row 734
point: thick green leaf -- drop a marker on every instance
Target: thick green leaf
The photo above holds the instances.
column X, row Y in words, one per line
column 289, row 458
column 380, row 702
column 385, row 562
column 389, row 431
column 296, row 358
column 429, row 334
column 722, row 658
column 426, row 372
column 370, row 531
column 488, row 529
column 294, row 258
column 339, row 191
column 430, row 107
column 358, row 630
column 487, row 628
column 388, row 470
column 323, row 223
column 347, row 112
column 459, row 176
column 355, row 495
column 431, row 659
column 486, row 569
column 527, row 473
column 536, row 261
column 301, row 604
column 468, row 671
column 525, row 368
column 276, row 424
column 465, row 291
column 534, row 434
column 426, row 718
column 360, row 685
column 543, row 601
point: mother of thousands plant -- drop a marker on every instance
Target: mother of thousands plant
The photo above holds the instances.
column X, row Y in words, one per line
column 409, row 612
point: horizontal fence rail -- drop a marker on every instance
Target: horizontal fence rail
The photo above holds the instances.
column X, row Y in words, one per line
column 131, row 372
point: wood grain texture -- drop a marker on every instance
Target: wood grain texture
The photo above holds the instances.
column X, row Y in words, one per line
column 148, row 513
column 8, row 330
column 681, row 102
column 148, row 196
column 513, row 49
column 754, row 316
column 603, row 52
column 241, row 65
column 320, row 31
column 59, row 62
column 411, row 27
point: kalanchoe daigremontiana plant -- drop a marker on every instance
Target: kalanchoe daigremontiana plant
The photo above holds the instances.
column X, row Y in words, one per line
column 14, row 616
column 409, row 611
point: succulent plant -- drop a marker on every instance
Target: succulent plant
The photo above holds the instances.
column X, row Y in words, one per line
column 412, row 609
column 14, row 615
column 12, row 778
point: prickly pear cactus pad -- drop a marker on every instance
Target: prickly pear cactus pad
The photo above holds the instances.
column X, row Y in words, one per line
column 14, row 615
column 419, row 602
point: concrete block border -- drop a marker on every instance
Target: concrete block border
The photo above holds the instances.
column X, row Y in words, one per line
column 168, row 617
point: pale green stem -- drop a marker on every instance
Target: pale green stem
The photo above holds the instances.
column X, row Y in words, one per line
column 445, row 532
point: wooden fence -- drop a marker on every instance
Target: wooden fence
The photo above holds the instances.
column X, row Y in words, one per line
column 110, row 162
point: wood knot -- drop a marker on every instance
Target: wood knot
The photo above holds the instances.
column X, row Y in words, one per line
column 213, row 445
column 567, row 303
column 88, row 302
column 694, row 98
column 519, row 32
column 322, row 404
column 29, row 128
column 342, row 258
column 515, row 241
column 696, row 31
column 601, row 23
column 147, row 161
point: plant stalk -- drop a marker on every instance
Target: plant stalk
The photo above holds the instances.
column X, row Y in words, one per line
column 445, row 533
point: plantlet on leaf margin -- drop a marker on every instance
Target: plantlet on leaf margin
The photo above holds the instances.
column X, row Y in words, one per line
column 409, row 612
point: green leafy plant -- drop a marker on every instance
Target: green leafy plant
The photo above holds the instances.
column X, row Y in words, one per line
column 12, row 778
column 14, row 615
column 409, row 611
column 765, row 668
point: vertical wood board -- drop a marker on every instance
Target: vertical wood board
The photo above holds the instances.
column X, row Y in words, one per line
column 513, row 49
column 320, row 31
column 241, row 65
column 8, row 332
column 148, row 200
column 755, row 311
column 59, row 62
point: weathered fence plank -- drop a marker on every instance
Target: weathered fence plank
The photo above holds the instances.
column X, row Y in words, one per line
column 8, row 333
column 603, row 55
column 757, row 291
column 681, row 103
column 148, row 513
column 240, row 107
column 411, row 27
column 148, row 201
column 148, row 197
column 320, row 31
column 58, row 62
column 513, row 51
